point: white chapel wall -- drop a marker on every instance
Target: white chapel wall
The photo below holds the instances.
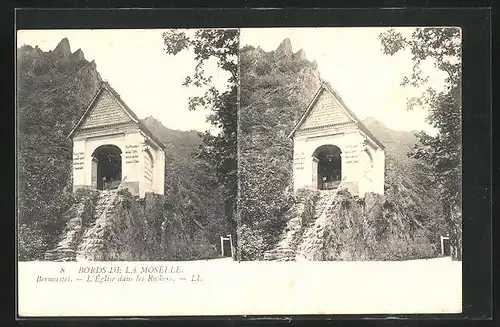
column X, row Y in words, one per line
column 132, row 160
column 79, row 164
column 351, row 146
column 159, row 172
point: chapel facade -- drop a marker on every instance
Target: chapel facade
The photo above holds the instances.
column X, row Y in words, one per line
column 112, row 148
column 332, row 147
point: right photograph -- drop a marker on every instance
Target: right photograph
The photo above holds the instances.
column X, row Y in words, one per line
column 349, row 145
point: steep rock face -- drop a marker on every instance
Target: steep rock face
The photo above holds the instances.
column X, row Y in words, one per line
column 284, row 49
column 276, row 88
column 299, row 218
column 111, row 225
column 63, row 48
column 345, row 229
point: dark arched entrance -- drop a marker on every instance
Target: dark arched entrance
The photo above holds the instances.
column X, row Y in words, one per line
column 329, row 166
column 106, row 167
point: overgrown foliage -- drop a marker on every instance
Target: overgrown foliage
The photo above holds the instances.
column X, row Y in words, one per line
column 442, row 153
column 220, row 150
column 275, row 90
column 53, row 90
column 377, row 228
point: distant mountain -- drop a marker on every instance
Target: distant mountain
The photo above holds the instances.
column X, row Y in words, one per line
column 405, row 176
column 180, row 142
column 398, row 144
column 395, row 141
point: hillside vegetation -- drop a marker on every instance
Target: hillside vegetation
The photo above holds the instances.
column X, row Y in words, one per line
column 54, row 89
column 276, row 88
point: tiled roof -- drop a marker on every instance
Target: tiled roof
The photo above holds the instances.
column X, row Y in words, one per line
column 325, row 86
column 128, row 111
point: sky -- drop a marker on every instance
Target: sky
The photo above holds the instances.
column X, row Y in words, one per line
column 137, row 67
column 351, row 59
column 150, row 81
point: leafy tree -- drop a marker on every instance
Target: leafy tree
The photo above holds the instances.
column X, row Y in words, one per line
column 220, row 150
column 442, row 152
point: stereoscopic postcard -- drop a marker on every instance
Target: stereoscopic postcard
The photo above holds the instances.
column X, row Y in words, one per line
column 239, row 171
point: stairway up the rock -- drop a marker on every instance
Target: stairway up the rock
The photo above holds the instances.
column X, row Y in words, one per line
column 311, row 245
column 104, row 208
column 65, row 249
column 76, row 228
column 285, row 251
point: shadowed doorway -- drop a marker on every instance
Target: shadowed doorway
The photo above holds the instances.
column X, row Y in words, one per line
column 106, row 167
column 328, row 160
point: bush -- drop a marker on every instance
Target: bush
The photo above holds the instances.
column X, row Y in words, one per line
column 31, row 243
column 83, row 193
column 372, row 228
column 124, row 192
column 251, row 244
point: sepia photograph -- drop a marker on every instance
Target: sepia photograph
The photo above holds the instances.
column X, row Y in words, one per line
column 349, row 145
column 299, row 163
column 119, row 144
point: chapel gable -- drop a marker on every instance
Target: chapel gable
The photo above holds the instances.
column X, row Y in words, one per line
column 105, row 111
column 325, row 111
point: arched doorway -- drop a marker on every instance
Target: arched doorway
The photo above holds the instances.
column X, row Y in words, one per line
column 106, row 167
column 328, row 172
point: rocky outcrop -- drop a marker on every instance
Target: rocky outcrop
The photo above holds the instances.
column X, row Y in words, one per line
column 78, row 55
column 284, row 49
column 313, row 240
column 63, row 48
column 113, row 225
column 300, row 55
column 300, row 216
column 77, row 217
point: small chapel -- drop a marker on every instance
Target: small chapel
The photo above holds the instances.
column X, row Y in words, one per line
column 332, row 148
column 112, row 148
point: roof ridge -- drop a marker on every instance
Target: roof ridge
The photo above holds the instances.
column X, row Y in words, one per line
column 105, row 85
column 326, row 86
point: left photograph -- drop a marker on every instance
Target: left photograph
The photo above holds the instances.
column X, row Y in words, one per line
column 126, row 144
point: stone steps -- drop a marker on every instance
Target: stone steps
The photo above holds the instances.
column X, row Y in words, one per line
column 284, row 251
column 67, row 248
column 104, row 207
column 312, row 240
column 312, row 236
